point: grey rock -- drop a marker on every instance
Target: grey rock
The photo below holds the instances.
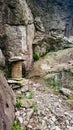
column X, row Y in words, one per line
column 57, row 23
column 2, row 59
column 67, row 122
column 56, row 16
column 18, row 12
column 66, row 113
column 44, row 125
column 66, row 92
column 54, row 119
column 12, row 81
column 14, row 84
column 7, row 102
column 57, row 128
column 18, row 83
column 17, row 113
column 30, row 30
column 16, row 58
column 39, row 25
column 16, row 41
column 24, row 89
column 26, row 123
column 16, row 21
column 29, row 113
column 47, row 43
column 30, row 127
column 19, row 119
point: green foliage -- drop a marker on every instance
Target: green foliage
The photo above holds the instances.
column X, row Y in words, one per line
column 72, row 87
column 16, row 126
column 56, row 88
column 30, row 95
column 36, row 57
column 70, row 98
column 18, row 104
column 35, row 107
column 20, row 96
column 53, row 85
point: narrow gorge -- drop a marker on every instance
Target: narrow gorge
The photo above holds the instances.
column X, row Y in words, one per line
column 36, row 65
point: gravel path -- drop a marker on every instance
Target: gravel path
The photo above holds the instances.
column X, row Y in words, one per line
column 50, row 110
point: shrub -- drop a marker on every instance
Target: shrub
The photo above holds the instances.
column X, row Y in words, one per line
column 30, row 95
column 20, row 96
column 35, row 107
column 16, row 126
column 19, row 103
column 36, row 57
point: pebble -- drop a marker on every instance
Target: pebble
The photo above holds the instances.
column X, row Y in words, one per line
column 67, row 122
column 17, row 113
column 54, row 119
column 71, row 122
column 51, row 95
column 51, row 122
column 44, row 125
column 25, row 123
column 30, row 113
column 20, row 120
column 57, row 104
column 66, row 113
column 24, row 114
column 57, row 128
column 29, row 126
column 24, row 89
column 60, row 100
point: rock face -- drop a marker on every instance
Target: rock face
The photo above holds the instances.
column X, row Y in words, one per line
column 38, row 25
column 7, row 102
column 2, row 59
column 55, row 14
column 43, row 44
column 56, row 68
column 16, row 25
column 51, row 17
column 54, row 19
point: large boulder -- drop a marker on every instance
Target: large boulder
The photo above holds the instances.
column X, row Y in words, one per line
column 16, row 30
column 19, row 42
column 7, row 102
column 56, row 68
column 16, row 40
column 2, row 59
